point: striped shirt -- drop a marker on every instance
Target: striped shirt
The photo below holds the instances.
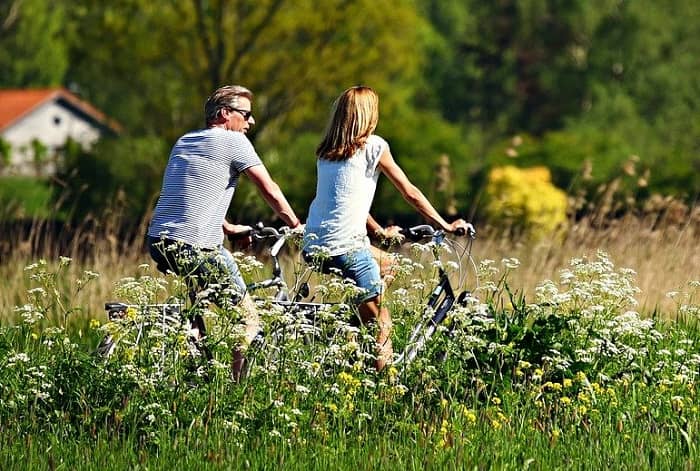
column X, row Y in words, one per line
column 198, row 186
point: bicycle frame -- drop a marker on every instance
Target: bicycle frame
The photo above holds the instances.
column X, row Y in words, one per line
column 168, row 314
column 440, row 303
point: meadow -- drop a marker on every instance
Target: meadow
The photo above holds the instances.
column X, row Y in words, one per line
column 578, row 352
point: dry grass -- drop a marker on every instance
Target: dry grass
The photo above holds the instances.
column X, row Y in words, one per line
column 663, row 253
column 665, row 259
column 93, row 246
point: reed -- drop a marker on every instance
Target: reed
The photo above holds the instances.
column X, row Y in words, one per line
column 99, row 245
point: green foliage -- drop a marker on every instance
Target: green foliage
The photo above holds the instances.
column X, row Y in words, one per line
column 583, row 77
column 293, row 167
column 24, row 197
column 583, row 83
column 519, row 65
column 125, row 172
column 535, row 381
column 418, row 141
column 175, row 54
column 33, row 52
column 5, row 153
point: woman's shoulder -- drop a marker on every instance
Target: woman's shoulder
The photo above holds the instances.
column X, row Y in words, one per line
column 375, row 139
column 374, row 148
column 375, row 144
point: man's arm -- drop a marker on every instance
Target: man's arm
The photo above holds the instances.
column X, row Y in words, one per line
column 374, row 229
column 272, row 194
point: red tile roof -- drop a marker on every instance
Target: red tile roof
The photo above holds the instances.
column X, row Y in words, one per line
column 16, row 103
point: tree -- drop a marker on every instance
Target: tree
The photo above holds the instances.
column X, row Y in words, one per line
column 294, row 56
column 597, row 80
column 32, row 50
column 158, row 60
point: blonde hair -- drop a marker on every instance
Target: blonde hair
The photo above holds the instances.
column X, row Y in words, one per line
column 353, row 119
column 224, row 97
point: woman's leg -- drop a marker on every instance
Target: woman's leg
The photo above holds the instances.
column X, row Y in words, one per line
column 364, row 270
column 373, row 311
column 386, row 262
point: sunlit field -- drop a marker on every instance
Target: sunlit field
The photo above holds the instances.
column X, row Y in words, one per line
column 571, row 355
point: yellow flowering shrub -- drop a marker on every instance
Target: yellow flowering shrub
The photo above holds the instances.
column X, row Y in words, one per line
column 525, row 200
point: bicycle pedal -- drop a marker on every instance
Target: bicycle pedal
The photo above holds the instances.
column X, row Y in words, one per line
column 106, row 347
column 464, row 298
column 173, row 310
column 116, row 315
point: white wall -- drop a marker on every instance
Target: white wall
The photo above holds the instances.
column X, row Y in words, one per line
column 52, row 124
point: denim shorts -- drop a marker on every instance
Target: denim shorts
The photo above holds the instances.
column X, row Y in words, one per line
column 205, row 265
column 359, row 266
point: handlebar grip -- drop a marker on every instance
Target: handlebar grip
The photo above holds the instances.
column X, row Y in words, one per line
column 268, row 231
column 468, row 231
column 239, row 235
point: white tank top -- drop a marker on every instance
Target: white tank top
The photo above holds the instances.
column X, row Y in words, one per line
column 344, row 192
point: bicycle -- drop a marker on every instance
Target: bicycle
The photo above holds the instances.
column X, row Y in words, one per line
column 302, row 316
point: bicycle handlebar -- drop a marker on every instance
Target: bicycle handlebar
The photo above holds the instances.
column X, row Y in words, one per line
column 261, row 232
column 423, row 231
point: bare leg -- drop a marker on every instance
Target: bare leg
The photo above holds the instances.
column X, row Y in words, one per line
column 385, row 262
column 371, row 311
column 252, row 327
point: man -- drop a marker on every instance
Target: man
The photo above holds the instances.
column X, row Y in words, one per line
column 187, row 230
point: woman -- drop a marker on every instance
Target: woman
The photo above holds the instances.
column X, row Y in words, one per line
column 350, row 158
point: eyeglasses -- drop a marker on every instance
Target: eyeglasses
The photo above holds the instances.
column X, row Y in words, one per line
column 245, row 113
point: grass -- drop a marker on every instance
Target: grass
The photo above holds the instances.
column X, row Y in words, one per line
column 576, row 381
column 598, row 449
column 665, row 259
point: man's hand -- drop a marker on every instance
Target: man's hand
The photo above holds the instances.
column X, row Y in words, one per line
column 238, row 234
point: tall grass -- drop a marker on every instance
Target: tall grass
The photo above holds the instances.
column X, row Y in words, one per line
column 664, row 256
column 97, row 244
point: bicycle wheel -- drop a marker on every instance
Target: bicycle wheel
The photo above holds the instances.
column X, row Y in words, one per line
column 302, row 337
column 140, row 327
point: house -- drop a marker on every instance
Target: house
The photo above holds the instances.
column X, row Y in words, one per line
column 36, row 123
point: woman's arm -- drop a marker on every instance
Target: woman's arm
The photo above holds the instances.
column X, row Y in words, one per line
column 413, row 195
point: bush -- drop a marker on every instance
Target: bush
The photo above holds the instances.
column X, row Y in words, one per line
column 525, row 200
column 125, row 171
column 24, row 197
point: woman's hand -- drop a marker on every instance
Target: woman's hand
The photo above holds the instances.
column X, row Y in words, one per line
column 389, row 234
column 460, row 225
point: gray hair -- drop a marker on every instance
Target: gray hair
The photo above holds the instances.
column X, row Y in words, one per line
column 223, row 97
